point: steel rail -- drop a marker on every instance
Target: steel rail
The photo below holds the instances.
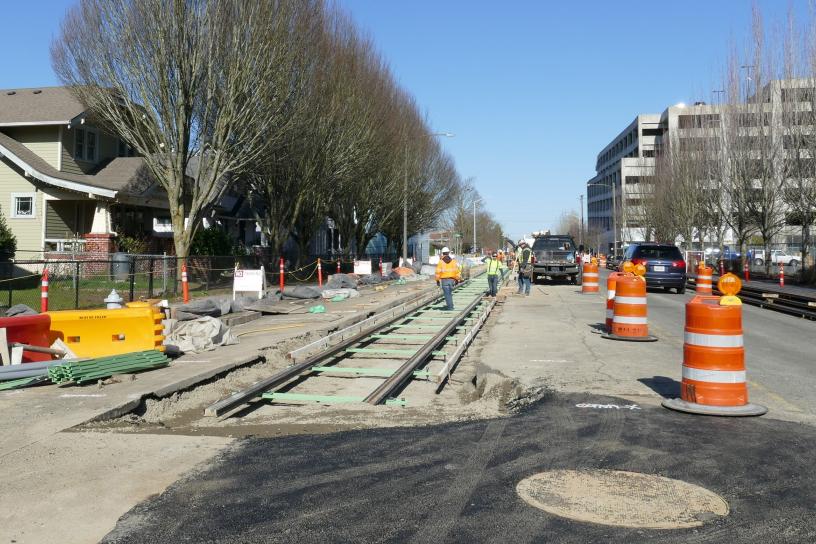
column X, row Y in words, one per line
column 240, row 398
column 770, row 299
column 406, row 371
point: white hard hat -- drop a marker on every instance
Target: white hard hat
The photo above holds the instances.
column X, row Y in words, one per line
column 446, row 249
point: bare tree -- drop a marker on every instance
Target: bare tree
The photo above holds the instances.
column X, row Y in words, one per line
column 200, row 89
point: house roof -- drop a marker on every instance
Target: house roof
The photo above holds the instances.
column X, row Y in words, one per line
column 38, row 106
column 120, row 176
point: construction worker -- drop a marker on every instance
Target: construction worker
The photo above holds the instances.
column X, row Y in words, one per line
column 493, row 270
column 448, row 274
column 525, row 268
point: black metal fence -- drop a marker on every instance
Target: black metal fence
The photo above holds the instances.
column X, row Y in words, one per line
column 76, row 283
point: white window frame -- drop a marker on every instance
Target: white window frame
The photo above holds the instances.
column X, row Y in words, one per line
column 15, row 196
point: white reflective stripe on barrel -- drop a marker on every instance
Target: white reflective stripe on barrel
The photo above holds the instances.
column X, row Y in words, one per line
column 714, row 376
column 630, row 300
column 591, row 274
column 590, row 284
column 610, row 314
column 714, row 340
column 704, row 277
column 610, row 294
column 628, row 320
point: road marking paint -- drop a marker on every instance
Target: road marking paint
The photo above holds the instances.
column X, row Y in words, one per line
column 82, row 395
column 609, row 406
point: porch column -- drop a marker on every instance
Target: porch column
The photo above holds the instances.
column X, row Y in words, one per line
column 100, row 239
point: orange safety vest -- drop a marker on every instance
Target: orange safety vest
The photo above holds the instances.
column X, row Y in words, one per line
column 448, row 270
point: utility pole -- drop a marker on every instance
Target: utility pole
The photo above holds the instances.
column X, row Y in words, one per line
column 405, row 210
column 474, row 226
column 581, row 232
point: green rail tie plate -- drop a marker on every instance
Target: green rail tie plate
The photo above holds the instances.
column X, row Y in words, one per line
column 375, row 372
column 323, row 399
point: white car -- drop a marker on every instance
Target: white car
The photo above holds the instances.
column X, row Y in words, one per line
column 777, row 256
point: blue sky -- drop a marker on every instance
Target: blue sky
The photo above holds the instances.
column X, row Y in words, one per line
column 532, row 89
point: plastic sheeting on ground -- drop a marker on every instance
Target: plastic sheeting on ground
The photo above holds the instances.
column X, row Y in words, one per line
column 371, row 279
column 20, row 309
column 201, row 334
column 341, row 281
column 302, row 292
column 345, row 293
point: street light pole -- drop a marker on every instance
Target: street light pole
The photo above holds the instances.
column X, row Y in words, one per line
column 405, row 198
column 581, row 232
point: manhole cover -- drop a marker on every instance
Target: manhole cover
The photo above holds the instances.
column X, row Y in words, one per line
column 623, row 499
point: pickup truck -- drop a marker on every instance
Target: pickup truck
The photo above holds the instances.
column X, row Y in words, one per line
column 777, row 256
column 555, row 258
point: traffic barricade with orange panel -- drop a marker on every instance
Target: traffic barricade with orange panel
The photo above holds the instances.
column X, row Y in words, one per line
column 705, row 276
column 97, row 333
column 630, row 311
column 589, row 280
column 714, row 378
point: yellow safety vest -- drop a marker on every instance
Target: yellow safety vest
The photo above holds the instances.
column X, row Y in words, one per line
column 493, row 266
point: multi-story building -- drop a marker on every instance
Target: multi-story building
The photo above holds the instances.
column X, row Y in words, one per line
column 613, row 194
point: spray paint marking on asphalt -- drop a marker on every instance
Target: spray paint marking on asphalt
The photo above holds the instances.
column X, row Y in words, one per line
column 609, row 406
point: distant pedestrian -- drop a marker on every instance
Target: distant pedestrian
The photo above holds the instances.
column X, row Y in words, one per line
column 525, row 269
column 448, row 274
column 493, row 270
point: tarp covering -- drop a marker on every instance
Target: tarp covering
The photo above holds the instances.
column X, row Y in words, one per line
column 201, row 334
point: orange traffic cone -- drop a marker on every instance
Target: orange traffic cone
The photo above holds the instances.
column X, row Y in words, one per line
column 629, row 319
column 714, row 379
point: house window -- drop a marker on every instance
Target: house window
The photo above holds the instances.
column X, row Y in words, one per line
column 85, row 145
column 22, row 205
column 79, row 144
column 90, row 147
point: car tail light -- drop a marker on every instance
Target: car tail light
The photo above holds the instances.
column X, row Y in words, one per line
column 679, row 264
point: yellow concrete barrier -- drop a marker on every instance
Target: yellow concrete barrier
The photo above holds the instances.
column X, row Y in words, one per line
column 96, row 333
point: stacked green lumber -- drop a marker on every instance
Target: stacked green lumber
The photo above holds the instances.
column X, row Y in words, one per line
column 22, row 382
column 104, row 367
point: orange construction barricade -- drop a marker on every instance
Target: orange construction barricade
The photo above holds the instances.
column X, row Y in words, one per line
column 714, row 379
column 703, row 284
column 589, row 280
column 629, row 319
column 611, row 281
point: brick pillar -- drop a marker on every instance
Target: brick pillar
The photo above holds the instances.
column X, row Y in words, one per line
column 99, row 243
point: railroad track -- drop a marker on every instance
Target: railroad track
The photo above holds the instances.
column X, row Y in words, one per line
column 418, row 340
column 776, row 300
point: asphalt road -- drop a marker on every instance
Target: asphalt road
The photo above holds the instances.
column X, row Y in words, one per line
column 780, row 350
column 456, row 482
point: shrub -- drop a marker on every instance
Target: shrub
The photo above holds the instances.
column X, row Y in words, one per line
column 8, row 242
column 211, row 241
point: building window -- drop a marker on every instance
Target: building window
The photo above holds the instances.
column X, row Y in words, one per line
column 125, row 150
column 90, row 147
column 79, row 144
column 85, row 145
column 22, row 206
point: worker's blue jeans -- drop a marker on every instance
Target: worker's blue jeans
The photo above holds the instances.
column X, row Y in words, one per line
column 447, row 285
column 492, row 284
column 525, row 283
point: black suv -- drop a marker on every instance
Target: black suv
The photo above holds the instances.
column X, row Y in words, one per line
column 665, row 266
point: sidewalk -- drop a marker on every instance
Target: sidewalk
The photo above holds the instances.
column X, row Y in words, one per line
column 65, row 486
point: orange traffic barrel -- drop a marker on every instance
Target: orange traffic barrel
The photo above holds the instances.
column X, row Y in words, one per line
column 602, row 261
column 611, row 281
column 589, row 281
column 714, row 378
column 629, row 316
column 703, row 284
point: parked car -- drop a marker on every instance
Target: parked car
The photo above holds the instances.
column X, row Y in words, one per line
column 614, row 262
column 665, row 266
column 777, row 256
